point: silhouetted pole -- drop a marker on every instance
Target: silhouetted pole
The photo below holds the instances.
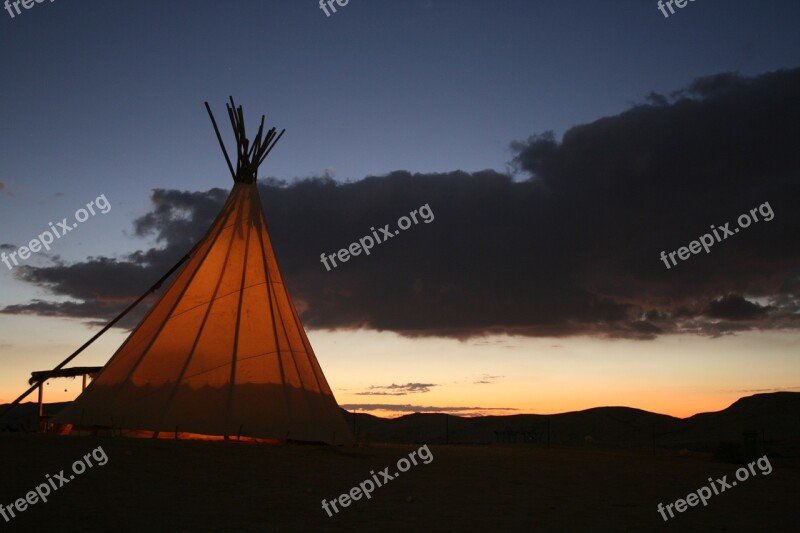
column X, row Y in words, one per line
column 42, row 427
column 446, row 428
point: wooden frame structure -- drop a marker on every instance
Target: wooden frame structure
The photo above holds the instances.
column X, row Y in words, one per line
column 39, row 377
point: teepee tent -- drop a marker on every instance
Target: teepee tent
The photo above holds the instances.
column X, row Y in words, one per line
column 222, row 352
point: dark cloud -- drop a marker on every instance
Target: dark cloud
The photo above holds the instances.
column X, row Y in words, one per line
column 397, row 390
column 99, row 288
column 734, row 307
column 571, row 250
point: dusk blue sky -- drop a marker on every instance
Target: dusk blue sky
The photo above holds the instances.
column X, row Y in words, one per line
column 107, row 98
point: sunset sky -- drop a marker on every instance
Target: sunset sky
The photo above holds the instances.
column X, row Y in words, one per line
column 561, row 146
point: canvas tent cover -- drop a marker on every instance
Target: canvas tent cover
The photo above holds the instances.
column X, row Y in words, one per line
column 222, row 352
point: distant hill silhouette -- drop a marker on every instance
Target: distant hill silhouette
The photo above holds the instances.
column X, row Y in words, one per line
column 774, row 417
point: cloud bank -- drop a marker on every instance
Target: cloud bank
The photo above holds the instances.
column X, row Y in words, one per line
column 397, row 390
column 572, row 248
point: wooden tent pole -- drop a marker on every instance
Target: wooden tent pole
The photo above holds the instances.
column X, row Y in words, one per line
column 221, row 143
column 41, row 426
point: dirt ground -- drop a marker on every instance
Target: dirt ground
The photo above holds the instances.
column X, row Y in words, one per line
column 215, row 486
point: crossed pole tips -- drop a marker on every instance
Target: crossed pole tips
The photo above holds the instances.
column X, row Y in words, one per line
column 248, row 157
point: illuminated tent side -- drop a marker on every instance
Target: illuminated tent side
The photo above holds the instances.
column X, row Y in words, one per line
column 223, row 351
